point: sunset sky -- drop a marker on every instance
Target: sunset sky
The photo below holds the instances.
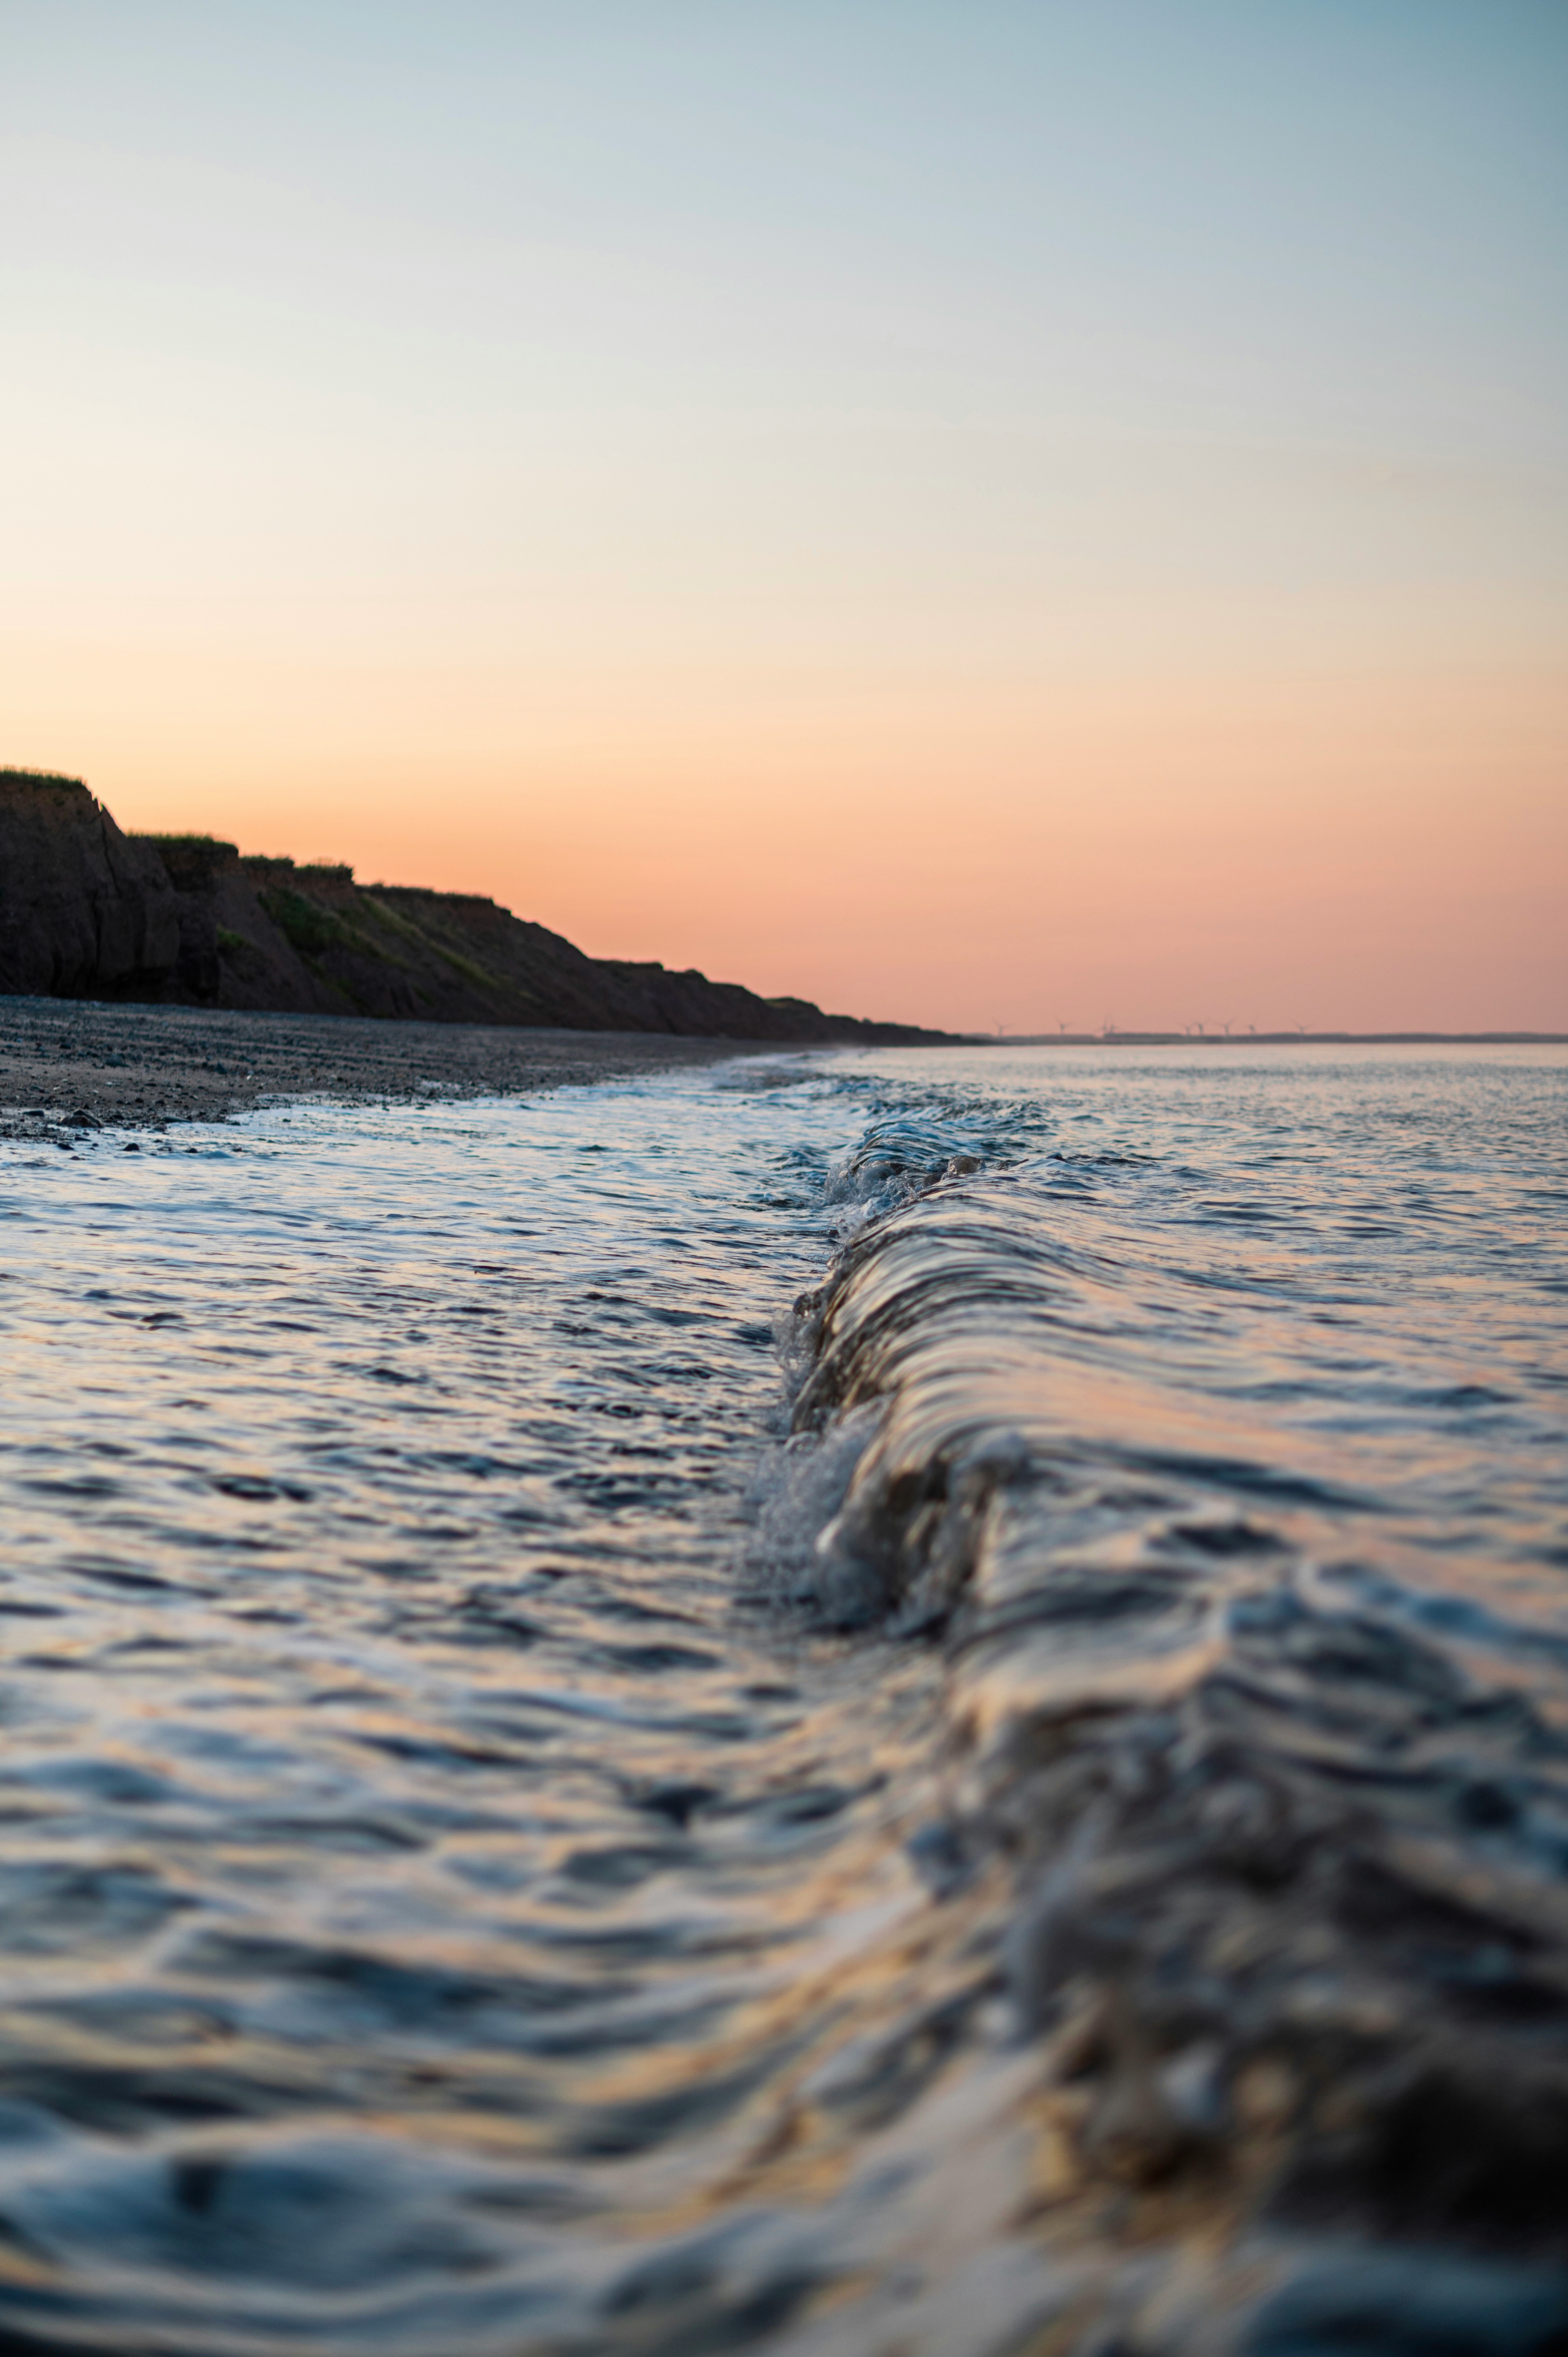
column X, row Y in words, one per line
column 983, row 515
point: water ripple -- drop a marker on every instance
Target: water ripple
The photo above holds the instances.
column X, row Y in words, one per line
column 1038, row 1807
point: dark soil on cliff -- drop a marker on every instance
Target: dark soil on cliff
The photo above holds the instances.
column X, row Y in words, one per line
column 68, row 1066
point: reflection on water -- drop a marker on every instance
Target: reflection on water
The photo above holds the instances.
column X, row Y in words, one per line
column 504, row 1843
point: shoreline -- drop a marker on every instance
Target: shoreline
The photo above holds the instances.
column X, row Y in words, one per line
column 69, row 1066
column 1297, row 1038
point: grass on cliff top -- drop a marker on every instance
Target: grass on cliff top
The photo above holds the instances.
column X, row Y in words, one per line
column 151, row 835
column 42, row 777
column 309, row 871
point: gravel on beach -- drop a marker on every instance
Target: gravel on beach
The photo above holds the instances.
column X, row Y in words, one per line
column 70, row 1065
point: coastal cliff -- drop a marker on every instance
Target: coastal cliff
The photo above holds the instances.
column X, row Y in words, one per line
column 86, row 911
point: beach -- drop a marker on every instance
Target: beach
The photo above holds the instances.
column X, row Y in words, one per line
column 69, row 1065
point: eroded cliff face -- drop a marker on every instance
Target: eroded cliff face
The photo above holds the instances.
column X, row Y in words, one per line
column 231, row 952
column 85, row 911
column 88, row 912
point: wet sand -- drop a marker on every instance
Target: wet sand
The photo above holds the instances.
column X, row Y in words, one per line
column 70, row 1065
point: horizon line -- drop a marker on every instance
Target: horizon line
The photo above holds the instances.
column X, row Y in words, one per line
column 1114, row 1038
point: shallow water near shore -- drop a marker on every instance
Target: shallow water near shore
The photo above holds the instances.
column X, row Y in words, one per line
column 840, row 1704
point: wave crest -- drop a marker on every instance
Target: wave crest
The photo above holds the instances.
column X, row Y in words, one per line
column 1290, row 1918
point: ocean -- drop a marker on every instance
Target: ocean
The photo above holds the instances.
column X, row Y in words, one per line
column 904, row 1705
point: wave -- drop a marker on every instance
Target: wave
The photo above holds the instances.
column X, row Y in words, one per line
column 1285, row 1828
column 1098, row 1887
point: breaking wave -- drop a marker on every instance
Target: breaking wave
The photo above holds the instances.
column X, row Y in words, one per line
column 1247, row 1696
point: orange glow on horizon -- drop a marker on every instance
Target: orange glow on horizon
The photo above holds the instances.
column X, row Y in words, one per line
column 1359, row 853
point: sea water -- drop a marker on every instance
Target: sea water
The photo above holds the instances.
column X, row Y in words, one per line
column 906, row 1702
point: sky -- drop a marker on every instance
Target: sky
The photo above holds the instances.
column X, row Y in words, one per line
column 994, row 515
